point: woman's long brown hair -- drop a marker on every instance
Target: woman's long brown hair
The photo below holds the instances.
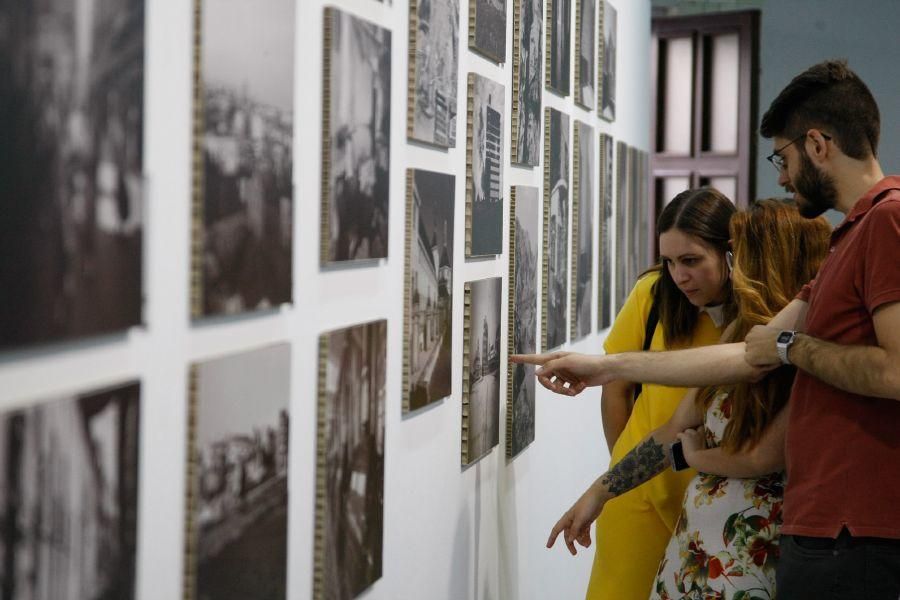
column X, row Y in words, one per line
column 776, row 252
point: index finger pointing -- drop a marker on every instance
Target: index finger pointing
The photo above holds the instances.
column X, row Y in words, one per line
column 528, row 359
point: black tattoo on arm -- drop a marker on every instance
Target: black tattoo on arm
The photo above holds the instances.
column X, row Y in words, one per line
column 641, row 464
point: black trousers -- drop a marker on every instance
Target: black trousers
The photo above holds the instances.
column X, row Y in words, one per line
column 846, row 568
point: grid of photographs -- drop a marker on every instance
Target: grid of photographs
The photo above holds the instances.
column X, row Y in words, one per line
column 68, row 496
column 237, row 512
column 605, row 247
column 555, row 306
column 484, row 168
column 487, row 28
column 428, row 322
column 586, row 69
column 71, row 174
column 350, row 467
column 356, row 139
column 528, row 56
column 583, row 231
column 243, row 146
column 559, row 46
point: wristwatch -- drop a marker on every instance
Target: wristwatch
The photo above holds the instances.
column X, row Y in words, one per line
column 783, row 343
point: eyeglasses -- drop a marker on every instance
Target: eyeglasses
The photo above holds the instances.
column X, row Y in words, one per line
column 777, row 159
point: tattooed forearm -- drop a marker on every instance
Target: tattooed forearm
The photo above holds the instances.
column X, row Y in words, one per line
column 638, row 466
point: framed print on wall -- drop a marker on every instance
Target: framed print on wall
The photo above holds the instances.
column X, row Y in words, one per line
column 528, row 57
column 581, row 295
column 555, row 307
column 484, row 168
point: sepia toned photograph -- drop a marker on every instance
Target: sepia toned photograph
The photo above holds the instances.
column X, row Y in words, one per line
column 68, row 496
column 428, row 332
column 605, row 247
column 623, row 233
column 559, row 44
column 525, row 235
column 244, row 157
column 71, row 177
column 585, row 70
column 487, row 32
column 350, row 468
column 356, row 138
column 582, row 297
column 484, row 190
column 607, row 106
column 433, row 72
column 481, row 369
column 556, row 236
column 238, row 476
column 528, row 57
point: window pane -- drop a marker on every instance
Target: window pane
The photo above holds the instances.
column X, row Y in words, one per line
column 679, row 74
column 726, row 185
column 724, row 72
column 671, row 187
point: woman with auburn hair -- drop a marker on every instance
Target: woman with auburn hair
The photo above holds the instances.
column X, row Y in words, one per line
column 725, row 544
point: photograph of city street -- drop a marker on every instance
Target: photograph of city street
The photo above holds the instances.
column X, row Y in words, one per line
column 71, row 173
column 68, row 497
column 623, row 233
column 245, row 189
column 559, row 38
column 429, row 284
column 556, row 236
column 582, row 242
column 527, row 85
column 608, row 79
column 586, row 70
column 434, row 70
column 525, row 233
column 481, row 364
column 488, row 35
column 604, row 248
column 350, row 490
column 238, row 484
column 356, row 137
column 484, row 192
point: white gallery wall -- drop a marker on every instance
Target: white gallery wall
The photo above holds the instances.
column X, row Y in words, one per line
column 449, row 532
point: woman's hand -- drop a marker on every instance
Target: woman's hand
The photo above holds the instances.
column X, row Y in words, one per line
column 692, row 441
column 576, row 523
column 568, row 373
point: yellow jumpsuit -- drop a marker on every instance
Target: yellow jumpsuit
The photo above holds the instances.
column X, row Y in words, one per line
column 633, row 530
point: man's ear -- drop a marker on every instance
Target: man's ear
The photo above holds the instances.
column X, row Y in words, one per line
column 819, row 147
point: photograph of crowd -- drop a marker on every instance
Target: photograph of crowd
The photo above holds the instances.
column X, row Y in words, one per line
column 71, row 168
column 525, row 233
column 527, row 85
column 429, row 302
column 608, row 77
column 485, row 167
column 584, row 42
column 605, row 247
column 488, row 34
column 582, row 242
column 559, row 44
column 356, row 138
column 68, row 497
column 481, row 379
column 245, row 188
column 556, row 237
column 238, row 482
column 350, row 492
column 434, row 69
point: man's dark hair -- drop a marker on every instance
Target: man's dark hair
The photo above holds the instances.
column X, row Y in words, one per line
column 831, row 97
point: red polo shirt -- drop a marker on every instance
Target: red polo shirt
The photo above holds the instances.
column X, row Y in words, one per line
column 843, row 449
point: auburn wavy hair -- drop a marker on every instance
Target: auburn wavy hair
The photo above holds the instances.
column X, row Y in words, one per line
column 776, row 252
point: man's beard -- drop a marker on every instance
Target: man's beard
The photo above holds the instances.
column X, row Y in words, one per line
column 816, row 189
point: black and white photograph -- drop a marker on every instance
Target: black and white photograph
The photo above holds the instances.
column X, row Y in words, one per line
column 434, row 71
column 559, row 45
column 238, row 478
column 582, row 241
column 245, row 150
column 356, row 139
column 586, row 70
column 71, row 177
column 607, row 108
column 623, row 233
column 484, row 190
column 429, row 288
column 487, row 32
column 68, row 496
column 605, row 246
column 527, row 85
column 555, row 306
column 525, row 235
column 350, row 488
column 481, row 366
column 635, row 254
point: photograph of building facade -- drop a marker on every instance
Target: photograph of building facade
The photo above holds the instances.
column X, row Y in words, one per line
column 527, row 85
column 245, row 189
column 429, row 309
column 434, row 44
column 582, row 243
column 481, row 364
column 556, row 237
column 484, row 193
column 68, row 497
column 71, row 176
column 237, row 481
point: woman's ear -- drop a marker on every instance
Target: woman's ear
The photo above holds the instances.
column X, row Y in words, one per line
column 729, row 261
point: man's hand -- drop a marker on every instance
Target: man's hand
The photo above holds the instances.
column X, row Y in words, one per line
column 568, row 373
column 760, row 349
column 575, row 524
column 692, row 441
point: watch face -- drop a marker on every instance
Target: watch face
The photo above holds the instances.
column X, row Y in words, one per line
column 785, row 336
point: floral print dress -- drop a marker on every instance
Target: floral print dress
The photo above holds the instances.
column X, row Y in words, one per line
column 725, row 544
